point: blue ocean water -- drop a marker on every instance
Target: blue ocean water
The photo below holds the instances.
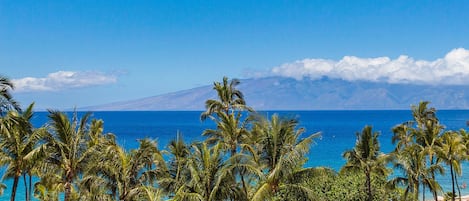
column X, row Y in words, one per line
column 338, row 130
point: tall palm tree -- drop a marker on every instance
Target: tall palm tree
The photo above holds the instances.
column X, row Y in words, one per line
column 229, row 98
column 17, row 140
column 424, row 130
column 67, row 149
column 173, row 172
column 452, row 152
column 428, row 134
column 231, row 130
column 366, row 157
column 282, row 155
column 6, row 100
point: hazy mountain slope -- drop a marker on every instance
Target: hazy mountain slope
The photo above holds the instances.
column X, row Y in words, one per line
column 278, row 93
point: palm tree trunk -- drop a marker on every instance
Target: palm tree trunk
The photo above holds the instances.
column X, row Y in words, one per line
column 435, row 195
column 368, row 185
column 68, row 191
column 452, row 182
column 30, row 186
column 457, row 185
column 15, row 186
column 207, row 192
column 123, row 194
column 68, row 188
column 68, row 185
column 241, row 174
column 25, row 188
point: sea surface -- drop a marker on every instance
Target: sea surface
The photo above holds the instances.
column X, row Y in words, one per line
column 338, row 130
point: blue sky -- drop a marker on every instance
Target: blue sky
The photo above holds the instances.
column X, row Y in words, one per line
column 81, row 53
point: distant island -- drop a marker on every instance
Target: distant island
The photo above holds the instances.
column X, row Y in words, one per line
column 281, row 93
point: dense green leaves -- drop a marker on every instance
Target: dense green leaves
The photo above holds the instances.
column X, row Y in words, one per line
column 452, row 152
column 281, row 155
column 18, row 139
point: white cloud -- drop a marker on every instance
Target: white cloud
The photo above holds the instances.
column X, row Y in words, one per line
column 63, row 80
column 453, row 69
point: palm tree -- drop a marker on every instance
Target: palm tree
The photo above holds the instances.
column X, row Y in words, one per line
column 230, row 132
column 209, row 180
column 173, row 173
column 452, row 152
column 229, row 99
column 427, row 134
column 410, row 160
column 93, row 187
column 125, row 174
column 403, row 135
column 6, row 100
column 281, row 156
column 424, row 130
column 17, row 140
column 67, row 150
column 231, row 127
column 366, row 157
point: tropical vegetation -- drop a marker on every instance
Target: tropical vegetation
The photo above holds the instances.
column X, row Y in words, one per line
column 246, row 156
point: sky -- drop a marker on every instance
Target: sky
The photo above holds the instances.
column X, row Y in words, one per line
column 64, row 54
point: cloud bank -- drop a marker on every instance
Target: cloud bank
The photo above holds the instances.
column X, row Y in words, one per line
column 61, row 80
column 453, row 69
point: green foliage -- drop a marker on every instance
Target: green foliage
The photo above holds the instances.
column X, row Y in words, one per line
column 230, row 99
column 418, row 152
column 174, row 172
column 365, row 157
column 328, row 185
column 281, row 156
column 7, row 102
column 19, row 140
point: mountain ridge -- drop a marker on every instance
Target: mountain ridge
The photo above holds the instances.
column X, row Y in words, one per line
column 280, row 93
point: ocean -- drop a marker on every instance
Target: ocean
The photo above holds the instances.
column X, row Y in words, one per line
column 338, row 130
